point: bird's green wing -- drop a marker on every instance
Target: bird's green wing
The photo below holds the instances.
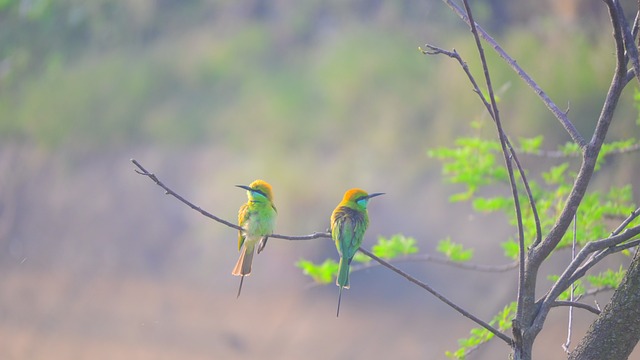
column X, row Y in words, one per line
column 348, row 231
column 243, row 216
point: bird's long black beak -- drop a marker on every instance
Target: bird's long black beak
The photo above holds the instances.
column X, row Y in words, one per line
column 374, row 195
column 245, row 187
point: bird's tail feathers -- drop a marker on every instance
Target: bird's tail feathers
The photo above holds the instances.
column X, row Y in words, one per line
column 243, row 266
column 240, row 287
column 339, row 298
column 343, row 274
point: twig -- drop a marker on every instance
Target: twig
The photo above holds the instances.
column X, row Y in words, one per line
column 168, row 191
column 574, row 271
column 598, row 255
column 462, row 311
column 555, row 110
column 594, row 292
column 508, row 156
column 444, row 261
column 315, row 235
column 585, row 173
column 573, row 304
column 634, row 214
column 566, row 345
column 562, row 154
column 636, row 25
column 628, row 38
column 434, row 50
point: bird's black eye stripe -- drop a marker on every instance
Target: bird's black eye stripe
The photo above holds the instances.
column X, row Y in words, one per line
column 361, row 198
column 260, row 192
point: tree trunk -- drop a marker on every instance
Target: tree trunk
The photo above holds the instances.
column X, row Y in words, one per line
column 522, row 352
column 616, row 331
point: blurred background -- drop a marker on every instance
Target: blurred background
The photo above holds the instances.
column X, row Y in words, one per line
column 315, row 97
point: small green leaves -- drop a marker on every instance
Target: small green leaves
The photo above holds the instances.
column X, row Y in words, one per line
column 578, row 288
column 487, row 97
column 511, row 249
column 570, row 149
column 612, row 148
column 556, row 175
column 502, row 321
column 324, row 273
column 395, row 246
column 473, row 162
column 455, row 252
column 608, row 279
column 532, row 145
column 498, row 203
column 361, row 258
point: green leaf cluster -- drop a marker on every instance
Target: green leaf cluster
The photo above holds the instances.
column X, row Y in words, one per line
column 608, row 279
column 395, row 246
column 578, row 288
column 320, row 273
column 502, row 321
column 386, row 248
column 454, row 252
column 473, row 163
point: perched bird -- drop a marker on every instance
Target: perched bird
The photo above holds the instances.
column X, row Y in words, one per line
column 349, row 221
column 257, row 218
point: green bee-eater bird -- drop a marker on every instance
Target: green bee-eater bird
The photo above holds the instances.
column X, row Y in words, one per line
column 349, row 221
column 258, row 218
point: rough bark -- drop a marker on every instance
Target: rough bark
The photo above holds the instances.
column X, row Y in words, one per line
column 616, row 331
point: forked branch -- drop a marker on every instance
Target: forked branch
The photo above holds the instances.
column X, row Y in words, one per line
column 555, row 110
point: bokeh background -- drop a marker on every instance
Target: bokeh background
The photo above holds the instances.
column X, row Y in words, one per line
column 314, row 97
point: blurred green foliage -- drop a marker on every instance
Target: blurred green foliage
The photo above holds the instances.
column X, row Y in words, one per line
column 109, row 73
column 473, row 163
column 454, row 252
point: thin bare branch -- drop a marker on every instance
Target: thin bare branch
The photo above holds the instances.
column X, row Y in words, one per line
column 598, row 255
column 634, row 214
column 590, row 155
column 440, row 297
column 508, row 156
column 627, row 37
column 577, row 305
column 441, row 260
column 575, row 271
column 168, row 191
column 315, row 235
column 636, row 26
column 142, row 171
column 567, row 343
column 562, row 155
column 434, row 50
column 555, row 110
